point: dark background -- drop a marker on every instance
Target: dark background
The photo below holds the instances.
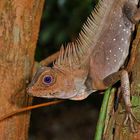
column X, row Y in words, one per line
column 61, row 22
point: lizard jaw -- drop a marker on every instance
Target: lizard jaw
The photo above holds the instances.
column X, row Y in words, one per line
column 82, row 95
column 62, row 96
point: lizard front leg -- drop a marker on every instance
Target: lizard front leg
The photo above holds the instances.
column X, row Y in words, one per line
column 125, row 89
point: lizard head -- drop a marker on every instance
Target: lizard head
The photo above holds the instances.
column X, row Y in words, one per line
column 59, row 83
column 67, row 79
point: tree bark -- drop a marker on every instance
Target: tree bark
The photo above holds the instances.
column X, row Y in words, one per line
column 19, row 26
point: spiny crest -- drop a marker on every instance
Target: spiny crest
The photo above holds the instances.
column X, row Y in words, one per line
column 76, row 52
column 71, row 56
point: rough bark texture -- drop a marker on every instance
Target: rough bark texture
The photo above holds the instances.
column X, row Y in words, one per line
column 19, row 26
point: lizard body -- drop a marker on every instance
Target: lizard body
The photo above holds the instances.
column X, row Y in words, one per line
column 93, row 61
column 100, row 50
column 113, row 44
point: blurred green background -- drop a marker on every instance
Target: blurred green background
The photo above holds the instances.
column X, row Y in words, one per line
column 61, row 22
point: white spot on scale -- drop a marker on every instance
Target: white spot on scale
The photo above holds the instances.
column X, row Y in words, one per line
column 114, row 54
column 124, row 30
column 114, row 39
column 126, row 42
column 127, row 32
column 107, row 58
column 122, row 39
column 110, row 51
column 120, row 25
column 120, row 49
column 115, row 60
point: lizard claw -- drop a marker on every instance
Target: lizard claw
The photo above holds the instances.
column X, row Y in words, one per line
column 131, row 119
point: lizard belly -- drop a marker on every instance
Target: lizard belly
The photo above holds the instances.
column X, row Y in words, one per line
column 112, row 48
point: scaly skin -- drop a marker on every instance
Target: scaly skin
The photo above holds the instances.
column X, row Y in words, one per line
column 98, row 53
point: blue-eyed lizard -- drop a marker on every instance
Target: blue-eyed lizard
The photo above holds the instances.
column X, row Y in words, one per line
column 92, row 62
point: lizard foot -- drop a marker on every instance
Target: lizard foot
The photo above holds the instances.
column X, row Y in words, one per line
column 132, row 120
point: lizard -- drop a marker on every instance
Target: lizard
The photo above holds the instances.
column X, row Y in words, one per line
column 93, row 61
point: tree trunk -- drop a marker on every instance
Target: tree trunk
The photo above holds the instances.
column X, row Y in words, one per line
column 19, row 26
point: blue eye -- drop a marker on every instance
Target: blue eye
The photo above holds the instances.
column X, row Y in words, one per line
column 47, row 79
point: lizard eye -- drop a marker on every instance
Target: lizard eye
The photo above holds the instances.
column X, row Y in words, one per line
column 48, row 79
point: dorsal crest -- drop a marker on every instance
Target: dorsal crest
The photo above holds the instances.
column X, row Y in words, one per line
column 77, row 52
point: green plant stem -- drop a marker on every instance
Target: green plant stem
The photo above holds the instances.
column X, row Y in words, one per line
column 102, row 116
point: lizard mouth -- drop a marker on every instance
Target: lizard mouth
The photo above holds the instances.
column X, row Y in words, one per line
column 60, row 95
